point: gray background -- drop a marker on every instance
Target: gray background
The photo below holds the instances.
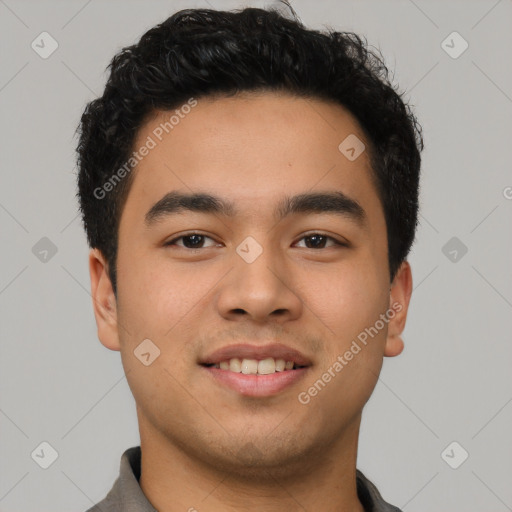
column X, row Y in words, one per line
column 452, row 382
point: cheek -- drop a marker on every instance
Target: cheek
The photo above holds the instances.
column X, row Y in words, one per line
column 155, row 297
column 155, row 304
column 347, row 309
column 167, row 305
column 347, row 300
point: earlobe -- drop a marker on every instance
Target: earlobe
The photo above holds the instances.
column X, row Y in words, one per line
column 400, row 295
column 394, row 346
column 103, row 301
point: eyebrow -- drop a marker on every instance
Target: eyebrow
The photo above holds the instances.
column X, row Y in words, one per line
column 334, row 202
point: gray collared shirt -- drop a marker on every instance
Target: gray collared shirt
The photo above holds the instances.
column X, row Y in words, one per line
column 127, row 496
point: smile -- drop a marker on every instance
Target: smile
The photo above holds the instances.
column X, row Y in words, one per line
column 265, row 366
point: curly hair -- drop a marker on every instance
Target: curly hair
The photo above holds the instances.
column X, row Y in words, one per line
column 204, row 52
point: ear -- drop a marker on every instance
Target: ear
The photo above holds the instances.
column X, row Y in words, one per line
column 103, row 301
column 400, row 295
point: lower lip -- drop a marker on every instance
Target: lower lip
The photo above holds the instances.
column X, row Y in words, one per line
column 256, row 385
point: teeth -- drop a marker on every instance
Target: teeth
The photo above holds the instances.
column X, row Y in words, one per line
column 267, row 366
column 250, row 366
column 254, row 367
column 235, row 365
column 280, row 365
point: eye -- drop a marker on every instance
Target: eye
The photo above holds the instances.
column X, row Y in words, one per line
column 190, row 241
column 196, row 241
column 318, row 240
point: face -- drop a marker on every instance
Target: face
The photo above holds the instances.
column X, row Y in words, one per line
column 198, row 280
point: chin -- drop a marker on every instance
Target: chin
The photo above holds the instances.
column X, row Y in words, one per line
column 263, row 459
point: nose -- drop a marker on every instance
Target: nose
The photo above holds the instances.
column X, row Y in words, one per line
column 261, row 290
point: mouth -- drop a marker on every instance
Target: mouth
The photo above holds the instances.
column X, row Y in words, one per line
column 254, row 370
column 246, row 366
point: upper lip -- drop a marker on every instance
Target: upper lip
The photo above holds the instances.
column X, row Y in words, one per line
column 247, row 351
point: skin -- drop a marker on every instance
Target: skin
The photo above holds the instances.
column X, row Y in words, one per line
column 204, row 446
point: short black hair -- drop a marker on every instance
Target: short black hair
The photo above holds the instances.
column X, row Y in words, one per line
column 204, row 52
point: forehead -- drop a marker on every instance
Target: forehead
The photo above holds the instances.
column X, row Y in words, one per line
column 250, row 149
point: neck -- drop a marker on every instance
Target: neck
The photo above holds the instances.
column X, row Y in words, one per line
column 173, row 479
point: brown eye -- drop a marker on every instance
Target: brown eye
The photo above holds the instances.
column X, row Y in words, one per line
column 318, row 241
column 190, row 241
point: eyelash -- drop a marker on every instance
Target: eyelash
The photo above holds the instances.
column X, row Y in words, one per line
column 336, row 242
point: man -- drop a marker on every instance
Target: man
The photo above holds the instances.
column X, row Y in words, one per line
column 249, row 190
